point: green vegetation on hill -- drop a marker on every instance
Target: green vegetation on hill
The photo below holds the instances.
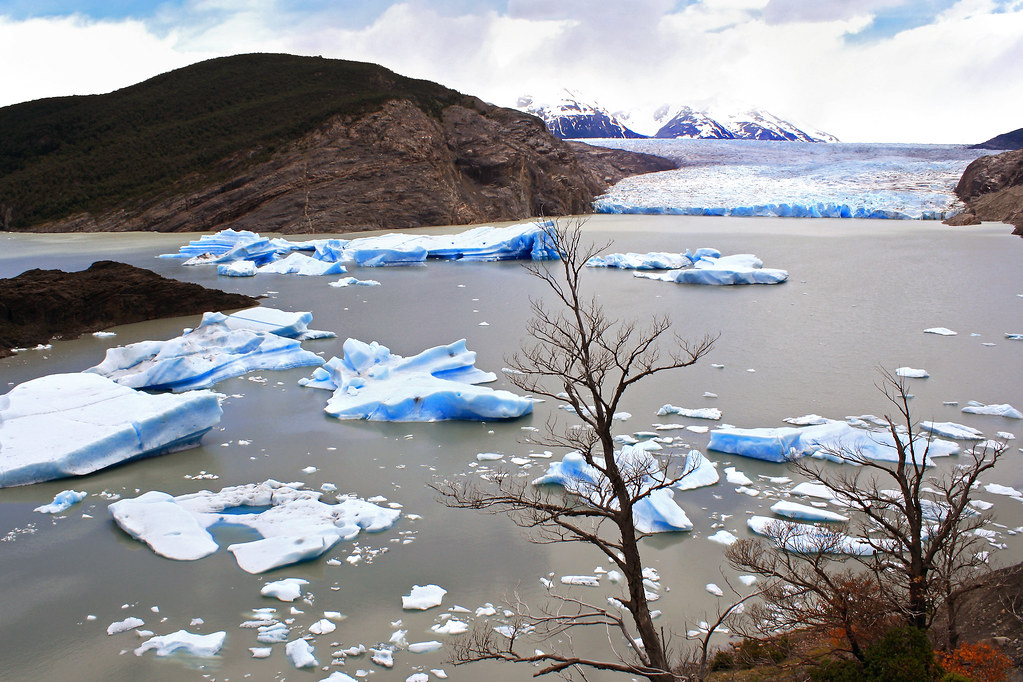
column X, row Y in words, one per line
column 62, row 156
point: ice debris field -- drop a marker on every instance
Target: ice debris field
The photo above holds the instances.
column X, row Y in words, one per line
column 245, row 254
column 290, row 523
column 792, row 180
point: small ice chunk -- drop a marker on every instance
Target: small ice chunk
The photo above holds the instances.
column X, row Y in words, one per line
column 202, row 646
column 701, row 472
column 425, row 647
column 586, row 580
column 693, row 413
column 952, row 430
column 911, row 373
column 451, row 627
column 62, row 501
column 129, row 623
column 489, row 456
column 747, row 580
column 736, row 477
column 802, row 512
column 806, row 420
column 338, row 676
column 941, row 331
column 714, row 589
column 322, row 627
column 423, row 597
column 261, row 651
column 998, row 489
column 982, row 505
column 723, row 537
column 301, row 653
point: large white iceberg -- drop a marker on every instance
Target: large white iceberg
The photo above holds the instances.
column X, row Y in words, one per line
column 300, row 264
column 1003, row 410
column 293, row 524
column 73, row 424
column 834, row 440
column 656, row 260
column 740, row 268
column 201, row 357
column 806, row 538
column 372, row 383
column 656, row 513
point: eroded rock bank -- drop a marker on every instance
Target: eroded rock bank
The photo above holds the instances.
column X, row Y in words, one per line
column 39, row 305
column 992, row 189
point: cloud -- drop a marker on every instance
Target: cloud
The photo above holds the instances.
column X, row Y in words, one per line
column 922, row 82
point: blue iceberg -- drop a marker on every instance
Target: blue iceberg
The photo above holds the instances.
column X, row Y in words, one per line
column 838, row 441
column 74, row 424
column 293, row 524
column 274, row 321
column 657, row 512
column 655, row 260
column 201, row 357
column 438, row 384
column 740, row 268
column 300, row 264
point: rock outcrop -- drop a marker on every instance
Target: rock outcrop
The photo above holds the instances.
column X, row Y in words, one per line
column 392, row 169
column 38, row 305
column 992, row 189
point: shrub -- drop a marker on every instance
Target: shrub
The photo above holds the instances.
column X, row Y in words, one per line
column 837, row 671
column 902, row 655
column 975, row 662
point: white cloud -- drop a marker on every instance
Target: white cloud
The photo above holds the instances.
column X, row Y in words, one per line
column 946, row 81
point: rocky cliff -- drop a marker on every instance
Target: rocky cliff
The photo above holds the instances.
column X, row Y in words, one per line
column 992, row 189
column 288, row 144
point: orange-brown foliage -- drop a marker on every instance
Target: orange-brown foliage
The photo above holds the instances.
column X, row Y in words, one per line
column 979, row 662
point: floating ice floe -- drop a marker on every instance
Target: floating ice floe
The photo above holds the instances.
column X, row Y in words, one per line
column 202, row 646
column 1014, row 337
column 695, row 413
column 62, row 501
column 837, row 441
column 201, row 357
column 940, row 331
column 423, row 597
column 952, row 430
column 911, row 373
column 352, row 281
column 803, row 512
column 125, row 625
column 74, row 424
column 651, row 261
column 239, row 268
column 723, row 537
column 293, row 524
column 807, row 420
column 301, row 653
column 290, row 325
column 736, row 477
column 804, row 538
column 438, row 384
column 1008, row 411
column 740, row 268
column 701, row 472
column 285, row 589
column 657, row 512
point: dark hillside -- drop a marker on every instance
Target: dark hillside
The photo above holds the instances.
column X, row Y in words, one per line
column 287, row 143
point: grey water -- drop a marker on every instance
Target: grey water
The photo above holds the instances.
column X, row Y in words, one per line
column 859, row 296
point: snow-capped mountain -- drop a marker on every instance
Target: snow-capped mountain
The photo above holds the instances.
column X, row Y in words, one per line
column 572, row 117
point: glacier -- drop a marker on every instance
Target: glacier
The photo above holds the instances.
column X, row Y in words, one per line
column 748, row 178
column 203, row 356
column 64, row 425
column 656, row 513
column 372, row 383
column 838, row 441
column 293, row 524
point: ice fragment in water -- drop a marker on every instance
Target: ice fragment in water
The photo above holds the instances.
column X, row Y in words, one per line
column 423, row 597
column 62, row 501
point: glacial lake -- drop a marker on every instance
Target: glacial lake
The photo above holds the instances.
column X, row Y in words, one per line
column 859, row 296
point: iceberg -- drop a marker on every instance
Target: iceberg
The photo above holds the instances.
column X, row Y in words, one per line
column 279, row 322
column 805, row 538
column 952, row 430
column 740, row 268
column 201, row 357
column 1007, row 411
column 285, row 589
column 293, row 524
column 701, row 472
column 74, row 424
column 911, row 373
column 423, row 597
column 202, row 646
column 352, row 281
column 438, row 384
column 62, row 501
column 694, row 413
column 835, row 440
column 301, row 653
column 804, row 512
column 300, row 264
column 657, row 260
column 230, row 245
column 239, row 268
column 656, row 513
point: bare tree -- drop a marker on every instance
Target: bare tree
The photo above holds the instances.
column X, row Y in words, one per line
column 579, row 355
column 916, row 530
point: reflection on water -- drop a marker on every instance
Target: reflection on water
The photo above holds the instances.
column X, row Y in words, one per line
column 859, row 295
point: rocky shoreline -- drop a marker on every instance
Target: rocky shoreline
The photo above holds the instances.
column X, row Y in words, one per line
column 992, row 189
column 39, row 305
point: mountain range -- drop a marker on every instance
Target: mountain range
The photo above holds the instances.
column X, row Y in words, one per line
column 575, row 117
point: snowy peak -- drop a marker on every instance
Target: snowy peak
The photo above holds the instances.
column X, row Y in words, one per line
column 744, row 125
column 571, row 117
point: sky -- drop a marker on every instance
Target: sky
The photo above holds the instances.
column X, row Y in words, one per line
column 930, row 71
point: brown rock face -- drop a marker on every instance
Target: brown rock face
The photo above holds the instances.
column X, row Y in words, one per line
column 992, row 188
column 393, row 169
column 38, row 305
